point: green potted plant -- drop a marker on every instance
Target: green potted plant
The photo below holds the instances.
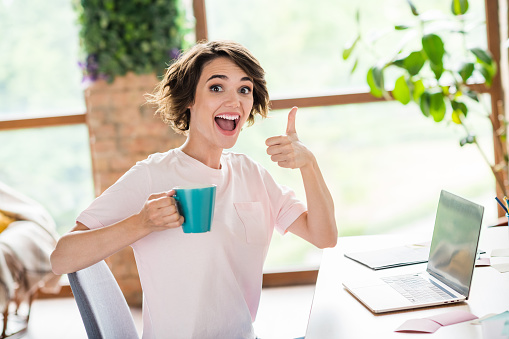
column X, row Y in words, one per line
column 141, row 36
column 433, row 75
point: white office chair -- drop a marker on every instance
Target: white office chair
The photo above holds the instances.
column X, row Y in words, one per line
column 102, row 305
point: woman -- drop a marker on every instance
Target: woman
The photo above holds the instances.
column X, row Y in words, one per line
column 204, row 285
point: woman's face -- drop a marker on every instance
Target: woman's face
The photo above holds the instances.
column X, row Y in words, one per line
column 223, row 101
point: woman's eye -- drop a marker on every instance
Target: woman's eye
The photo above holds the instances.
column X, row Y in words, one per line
column 216, row 88
column 245, row 90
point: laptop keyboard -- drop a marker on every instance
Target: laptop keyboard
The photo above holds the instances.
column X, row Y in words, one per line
column 416, row 289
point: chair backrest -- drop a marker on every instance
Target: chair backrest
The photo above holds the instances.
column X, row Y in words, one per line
column 101, row 303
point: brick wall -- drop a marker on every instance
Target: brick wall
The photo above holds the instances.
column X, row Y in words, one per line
column 122, row 131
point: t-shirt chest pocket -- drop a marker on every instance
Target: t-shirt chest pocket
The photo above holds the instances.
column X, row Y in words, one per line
column 253, row 219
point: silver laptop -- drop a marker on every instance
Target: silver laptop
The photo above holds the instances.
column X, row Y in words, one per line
column 451, row 262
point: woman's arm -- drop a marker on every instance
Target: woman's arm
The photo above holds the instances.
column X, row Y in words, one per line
column 82, row 247
column 318, row 225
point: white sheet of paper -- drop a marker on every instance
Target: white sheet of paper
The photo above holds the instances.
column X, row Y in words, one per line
column 500, row 252
column 502, row 268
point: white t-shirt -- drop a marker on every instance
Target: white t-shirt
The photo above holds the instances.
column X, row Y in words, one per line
column 201, row 285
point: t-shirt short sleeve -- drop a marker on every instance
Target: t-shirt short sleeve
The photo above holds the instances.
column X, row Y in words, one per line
column 286, row 207
column 121, row 200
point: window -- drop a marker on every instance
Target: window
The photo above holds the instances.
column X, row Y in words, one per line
column 299, row 43
column 39, row 72
column 40, row 77
column 52, row 166
column 384, row 163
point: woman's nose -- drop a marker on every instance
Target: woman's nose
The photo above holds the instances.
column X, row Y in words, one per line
column 232, row 100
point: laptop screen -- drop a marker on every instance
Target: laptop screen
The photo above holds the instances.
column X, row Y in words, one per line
column 454, row 245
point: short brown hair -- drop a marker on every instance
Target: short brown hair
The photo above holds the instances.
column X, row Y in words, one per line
column 176, row 92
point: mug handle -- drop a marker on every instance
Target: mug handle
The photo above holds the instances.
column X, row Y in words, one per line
column 177, row 204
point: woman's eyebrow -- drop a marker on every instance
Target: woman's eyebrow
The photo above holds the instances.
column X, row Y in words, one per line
column 224, row 77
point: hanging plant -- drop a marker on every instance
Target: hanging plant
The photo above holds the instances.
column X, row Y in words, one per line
column 141, row 36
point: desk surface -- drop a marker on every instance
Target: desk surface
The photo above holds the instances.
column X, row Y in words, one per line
column 335, row 313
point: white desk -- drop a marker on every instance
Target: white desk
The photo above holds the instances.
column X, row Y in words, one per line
column 335, row 313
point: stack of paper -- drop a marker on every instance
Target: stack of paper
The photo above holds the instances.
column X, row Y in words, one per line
column 500, row 259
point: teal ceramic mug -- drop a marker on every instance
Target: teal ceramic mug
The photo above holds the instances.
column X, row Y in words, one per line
column 196, row 205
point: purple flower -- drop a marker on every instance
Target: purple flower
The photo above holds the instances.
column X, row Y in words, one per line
column 174, row 53
column 92, row 66
column 90, row 70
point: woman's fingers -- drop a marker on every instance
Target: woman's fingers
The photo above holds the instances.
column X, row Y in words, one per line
column 162, row 212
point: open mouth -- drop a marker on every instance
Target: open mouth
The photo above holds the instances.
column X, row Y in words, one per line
column 227, row 122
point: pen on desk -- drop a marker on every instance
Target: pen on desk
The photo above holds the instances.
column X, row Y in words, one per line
column 501, row 205
column 506, row 202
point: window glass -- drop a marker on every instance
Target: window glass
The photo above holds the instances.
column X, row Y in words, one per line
column 52, row 166
column 300, row 42
column 39, row 71
column 384, row 164
column 40, row 76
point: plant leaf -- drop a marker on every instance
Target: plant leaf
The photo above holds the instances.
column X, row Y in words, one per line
column 486, row 65
column 437, row 106
column 455, row 117
column 434, row 48
column 378, row 77
column 347, row 51
column 459, row 7
column 401, row 91
column 413, row 62
column 482, row 55
column 459, row 110
column 418, row 89
column 374, row 88
column 492, row 68
column 486, row 75
column 354, row 66
column 412, row 8
column 437, row 69
column 425, row 103
column 466, row 71
column 459, row 106
column 472, row 95
column 401, row 27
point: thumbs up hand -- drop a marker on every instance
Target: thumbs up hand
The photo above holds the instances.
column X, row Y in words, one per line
column 287, row 150
column 290, row 127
